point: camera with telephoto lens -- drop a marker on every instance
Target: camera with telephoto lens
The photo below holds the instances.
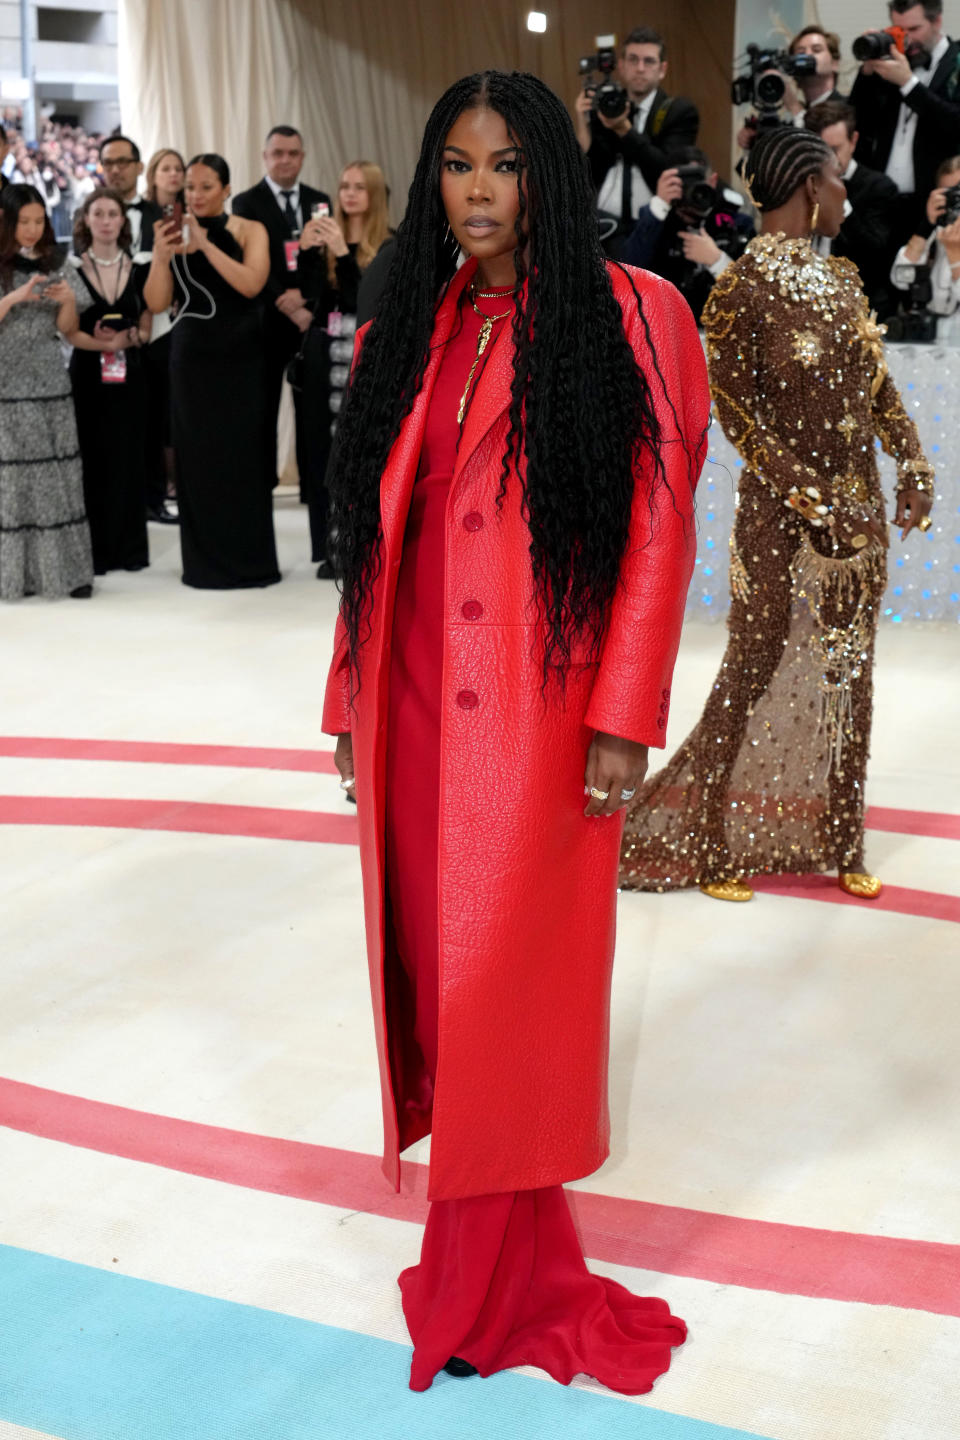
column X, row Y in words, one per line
column 608, row 98
column 699, row 196
column 916, row 324
column 763, row 83
column 878, row 44
column 951, row 210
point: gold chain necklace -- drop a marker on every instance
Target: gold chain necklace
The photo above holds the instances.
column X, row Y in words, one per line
column 486, row 330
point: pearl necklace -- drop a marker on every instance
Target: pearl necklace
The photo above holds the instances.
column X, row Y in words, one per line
column 97, row 261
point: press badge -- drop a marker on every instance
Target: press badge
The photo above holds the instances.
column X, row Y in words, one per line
column 335, row 324
column 113, row 367
column 291, row 249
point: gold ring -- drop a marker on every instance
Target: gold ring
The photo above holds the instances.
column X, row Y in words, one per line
column 859, row 541
column 925, row 523
column 599, row 794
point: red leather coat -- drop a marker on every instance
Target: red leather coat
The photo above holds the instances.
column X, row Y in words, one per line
column 527, row 884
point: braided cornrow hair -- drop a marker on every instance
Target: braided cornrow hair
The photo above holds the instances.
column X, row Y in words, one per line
column 581, row 411
column 780, row 160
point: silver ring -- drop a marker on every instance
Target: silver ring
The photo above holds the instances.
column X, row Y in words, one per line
column 348, row 784
column 599, row 794
column 628, row 794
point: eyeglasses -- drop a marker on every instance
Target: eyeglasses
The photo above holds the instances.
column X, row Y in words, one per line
column 118, row 164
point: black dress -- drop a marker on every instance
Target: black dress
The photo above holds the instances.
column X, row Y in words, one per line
column 110, row 428
column 217, row 416
column 327, row 353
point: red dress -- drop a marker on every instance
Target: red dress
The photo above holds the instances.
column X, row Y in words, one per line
column 502, row 1279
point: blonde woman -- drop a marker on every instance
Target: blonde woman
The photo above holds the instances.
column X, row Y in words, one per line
column 166, row 172
column 334, row 252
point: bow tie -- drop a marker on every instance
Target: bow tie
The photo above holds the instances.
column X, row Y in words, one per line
column 135, row 205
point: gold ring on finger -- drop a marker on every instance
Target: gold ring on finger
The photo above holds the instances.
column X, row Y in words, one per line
column 925, row 523
column 599, row 794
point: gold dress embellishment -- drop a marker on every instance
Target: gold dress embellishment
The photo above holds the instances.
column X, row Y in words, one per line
column 806, row 348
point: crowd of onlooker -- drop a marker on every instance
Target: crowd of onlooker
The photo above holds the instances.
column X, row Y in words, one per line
column 64, row 165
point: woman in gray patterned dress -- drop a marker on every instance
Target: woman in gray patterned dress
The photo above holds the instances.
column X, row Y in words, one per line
column 44, row 538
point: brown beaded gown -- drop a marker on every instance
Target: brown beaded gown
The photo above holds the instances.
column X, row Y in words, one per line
column 772, row 777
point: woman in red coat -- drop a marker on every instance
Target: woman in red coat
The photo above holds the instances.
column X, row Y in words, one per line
column 514, row 506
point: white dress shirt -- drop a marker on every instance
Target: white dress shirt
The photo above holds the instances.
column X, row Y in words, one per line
column 610, row 198
column 900, row 164
column 294, row 193
column 945, row 299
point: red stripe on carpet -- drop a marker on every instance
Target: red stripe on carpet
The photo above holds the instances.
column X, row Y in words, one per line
column 152, row 752
column 257, row 822
column 722, row 1249
column 249, row 757
column 894, row 899
column 260, row 822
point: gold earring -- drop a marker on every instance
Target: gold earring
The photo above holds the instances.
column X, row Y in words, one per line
column 815, row 217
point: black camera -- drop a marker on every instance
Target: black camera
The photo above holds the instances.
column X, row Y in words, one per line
column 878, row 44
column 699, row 196
column 609, row 98
column 763, row 84
column 916, row 324
column 952, row 210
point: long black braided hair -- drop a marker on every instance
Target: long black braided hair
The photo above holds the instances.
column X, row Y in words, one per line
column 581, row 412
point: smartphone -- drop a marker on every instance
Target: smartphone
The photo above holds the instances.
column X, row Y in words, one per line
column 319, row 211
column 115, row 322
column 52, row 279
column 173, row 220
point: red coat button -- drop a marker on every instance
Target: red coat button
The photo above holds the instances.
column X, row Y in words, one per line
column 467, row 700
column 473, row 521
column 472, row 610
column 661, row 723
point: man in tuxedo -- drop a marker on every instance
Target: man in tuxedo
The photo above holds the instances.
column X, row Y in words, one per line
column 122, row 167
column 866, row 235
column 281, row 203
column 908, row 109
column 629, row 152
column 821, row 86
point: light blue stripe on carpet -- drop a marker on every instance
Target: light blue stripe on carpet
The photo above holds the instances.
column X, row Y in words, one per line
column 87, row 1354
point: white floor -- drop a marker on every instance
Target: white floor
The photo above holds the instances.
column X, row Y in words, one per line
column 788, row 1061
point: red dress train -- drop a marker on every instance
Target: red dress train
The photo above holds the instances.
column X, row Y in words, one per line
column 501, row 1279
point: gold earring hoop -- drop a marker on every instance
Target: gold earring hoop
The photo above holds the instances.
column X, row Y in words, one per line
column 815, row 216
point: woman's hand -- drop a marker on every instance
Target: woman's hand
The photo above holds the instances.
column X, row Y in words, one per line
column 343, row 759
column 115, row 339
column 26, row 292
column 57, row 291
column 614, row 766
column 324, row 231
column 167, row 241
column 199, row 239
column 912, row 506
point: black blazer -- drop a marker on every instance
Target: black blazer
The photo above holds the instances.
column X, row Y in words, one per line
column 151, row 214
column 867, row 234
column 937, row 105
column 259, row 203
column 672, row 125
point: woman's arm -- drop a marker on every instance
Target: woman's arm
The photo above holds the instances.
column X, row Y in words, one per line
column 18, row 296
column 247, row 276
column 158, row 287
column 899, row 438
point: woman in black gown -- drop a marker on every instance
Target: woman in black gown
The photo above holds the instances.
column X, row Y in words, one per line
column 108, row 383
column 214, row 273
column 335, row 250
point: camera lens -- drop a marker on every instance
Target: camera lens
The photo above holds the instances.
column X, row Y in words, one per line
column 872, row 46
column 770, row 89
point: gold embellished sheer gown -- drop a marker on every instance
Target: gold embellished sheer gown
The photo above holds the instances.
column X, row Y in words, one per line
column 772, row 777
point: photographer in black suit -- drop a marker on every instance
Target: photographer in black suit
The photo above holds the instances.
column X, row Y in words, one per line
column 283, row 205
column 866, row 235
column 629, row 152
column 908, row 108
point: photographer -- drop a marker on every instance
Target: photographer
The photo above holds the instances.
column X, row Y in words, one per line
column 928, row 270
column 908, row 104
column 692, row 229
column 816, row 89
column 629, row 152
column 866, row 235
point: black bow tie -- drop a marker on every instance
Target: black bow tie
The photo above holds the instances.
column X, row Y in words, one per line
column 135, row 205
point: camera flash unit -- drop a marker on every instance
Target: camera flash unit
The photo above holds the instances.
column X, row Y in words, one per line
column 537, row 22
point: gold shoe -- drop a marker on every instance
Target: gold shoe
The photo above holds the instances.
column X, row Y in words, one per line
column 863, row 887
column 728, row 890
